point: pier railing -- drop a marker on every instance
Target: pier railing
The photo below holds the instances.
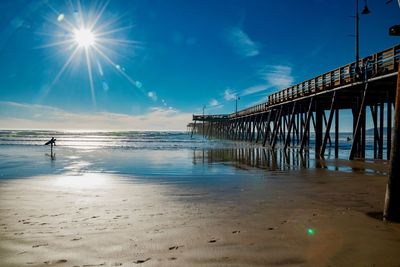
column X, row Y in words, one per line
column 378, row 64
column 219, row 117
column 381, row 63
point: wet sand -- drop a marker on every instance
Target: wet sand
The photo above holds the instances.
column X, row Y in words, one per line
column 97, row 219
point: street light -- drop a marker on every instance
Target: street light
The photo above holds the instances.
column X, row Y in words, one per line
column 394, row 30
column 204, row 107
column 237, row 98
column 365, row 11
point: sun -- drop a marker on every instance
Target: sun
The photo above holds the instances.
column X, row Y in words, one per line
column 91, row 37
column 84, row 37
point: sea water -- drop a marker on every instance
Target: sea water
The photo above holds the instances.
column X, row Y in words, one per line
column 154, row 155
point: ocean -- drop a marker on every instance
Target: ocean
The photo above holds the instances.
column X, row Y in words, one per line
column 149, row 154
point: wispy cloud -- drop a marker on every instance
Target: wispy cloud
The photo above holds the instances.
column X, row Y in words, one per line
column 277, row 76
column 229, row 94
column 254, row 89
column 26, row 116
column 214, row 104
column 241, row 42
column 270, row 78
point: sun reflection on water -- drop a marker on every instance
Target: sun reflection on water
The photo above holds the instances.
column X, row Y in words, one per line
column 88, row 180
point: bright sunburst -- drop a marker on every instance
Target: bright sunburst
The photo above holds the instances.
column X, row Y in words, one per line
column 88, row 36
column 84, row 37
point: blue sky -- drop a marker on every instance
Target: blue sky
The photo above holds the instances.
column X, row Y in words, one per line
column 163, row 60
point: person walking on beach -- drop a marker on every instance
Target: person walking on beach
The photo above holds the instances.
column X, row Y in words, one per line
column 51, row 143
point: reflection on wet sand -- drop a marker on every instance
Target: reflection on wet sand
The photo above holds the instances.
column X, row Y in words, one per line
column 281, row 160
column 256, row 157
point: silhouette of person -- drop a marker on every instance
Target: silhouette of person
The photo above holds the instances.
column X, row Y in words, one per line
column 51, row 143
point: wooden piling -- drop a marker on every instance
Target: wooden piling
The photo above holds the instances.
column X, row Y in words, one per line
column 318, row 129
column 336, row 133
column 392, row 199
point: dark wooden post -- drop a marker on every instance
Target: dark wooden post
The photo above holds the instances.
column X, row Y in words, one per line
column 336, row 133
column 358, row 119
column 374, row 115
column 193, row 129
column 381, row 111
column 389, row 128
column 318, row 129
column 363, row 132
column 392, row 199
column 328, row 125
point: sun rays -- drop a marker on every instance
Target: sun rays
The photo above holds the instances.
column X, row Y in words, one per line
column 87, row 35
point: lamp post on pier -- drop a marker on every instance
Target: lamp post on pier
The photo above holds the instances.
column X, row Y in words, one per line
column 365, row 11
column 237, row 98
column 204, row 107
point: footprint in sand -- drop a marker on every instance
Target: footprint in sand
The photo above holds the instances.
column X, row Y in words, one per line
column 92, row 265
column 40, row 245
column 141, row 261
column 55, row 262
column 175, row 247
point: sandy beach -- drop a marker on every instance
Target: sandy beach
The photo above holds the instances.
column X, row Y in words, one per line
column 310, row 217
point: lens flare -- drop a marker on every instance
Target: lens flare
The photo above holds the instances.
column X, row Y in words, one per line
column 311, row 231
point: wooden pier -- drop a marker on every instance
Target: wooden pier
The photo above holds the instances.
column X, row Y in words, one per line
column 311, row 109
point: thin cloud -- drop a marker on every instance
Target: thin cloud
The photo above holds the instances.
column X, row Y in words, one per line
column 229, row 94
column 214, row 104
column 26, row 116
column 254, row 89
column 274, row 77
column 241, row 43
column 277, row 76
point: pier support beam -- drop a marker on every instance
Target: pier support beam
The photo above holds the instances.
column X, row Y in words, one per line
column 267, row 127
column 318, row 129
column 336, row 133
column 360, row 124
column 389, row 128
column 328, row 125
column 306, row 131
column 289, row 128
column 392, row 199
column 277, row 127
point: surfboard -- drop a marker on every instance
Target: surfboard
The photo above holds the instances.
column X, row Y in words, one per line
column 49, row 142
